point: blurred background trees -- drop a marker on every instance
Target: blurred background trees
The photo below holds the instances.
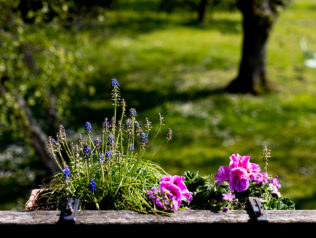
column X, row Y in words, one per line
column 37, row 78
column 175, row 57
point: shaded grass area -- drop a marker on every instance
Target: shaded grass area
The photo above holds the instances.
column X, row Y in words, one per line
column 167, row 63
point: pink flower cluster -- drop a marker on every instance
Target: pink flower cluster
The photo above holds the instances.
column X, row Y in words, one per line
column 228, row 197
column 274, row 185
column 239, row 172
column 171, row 193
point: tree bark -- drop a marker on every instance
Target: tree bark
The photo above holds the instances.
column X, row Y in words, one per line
column 257, row 24
column 201, row 10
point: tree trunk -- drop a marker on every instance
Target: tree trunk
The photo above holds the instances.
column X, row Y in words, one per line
column 201, row 10
column 257, row 24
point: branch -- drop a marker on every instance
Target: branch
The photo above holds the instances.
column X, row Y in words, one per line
column 34, row 133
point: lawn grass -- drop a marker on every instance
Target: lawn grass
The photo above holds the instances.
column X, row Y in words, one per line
column 178, row 68
column 166, row 63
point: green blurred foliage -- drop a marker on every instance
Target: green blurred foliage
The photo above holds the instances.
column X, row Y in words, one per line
column 37, row 66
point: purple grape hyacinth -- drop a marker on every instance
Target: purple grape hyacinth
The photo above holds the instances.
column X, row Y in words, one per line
column 88, row 126
column 115, row 83
column 92, row 186
column 111, row 138
column 101, row 158
column 131, row 147
column 144, row 136
column 66, row 172
column 97, row 141
column 86, row 148
column 108, row 154
column 132, row 112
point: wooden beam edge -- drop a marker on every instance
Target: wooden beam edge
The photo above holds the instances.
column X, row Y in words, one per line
column 111, row 217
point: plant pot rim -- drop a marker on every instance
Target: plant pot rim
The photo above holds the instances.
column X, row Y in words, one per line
column 32, row 202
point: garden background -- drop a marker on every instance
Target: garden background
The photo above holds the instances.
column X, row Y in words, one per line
column 57, row 61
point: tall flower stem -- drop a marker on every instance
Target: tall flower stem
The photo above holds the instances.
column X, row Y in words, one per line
column 87, row 168
column 156, row 134
column 54, row 156
column 116, row 97
column 61, row 157
column 102, row 171
column 266, row 155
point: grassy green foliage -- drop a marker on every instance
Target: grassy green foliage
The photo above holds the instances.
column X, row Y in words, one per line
column 105, row 170
column 167, row 63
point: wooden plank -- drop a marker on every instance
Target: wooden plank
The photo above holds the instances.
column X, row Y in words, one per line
column 103, row 218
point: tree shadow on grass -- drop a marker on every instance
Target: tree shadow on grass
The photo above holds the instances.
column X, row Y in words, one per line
column 157, row 98
column 226, row 26
column 132, row 25
column 146, row 99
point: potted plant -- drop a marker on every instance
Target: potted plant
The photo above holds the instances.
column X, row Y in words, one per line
column 107, row 171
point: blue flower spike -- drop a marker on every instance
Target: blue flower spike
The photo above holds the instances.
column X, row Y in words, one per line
column 115, row 83
column 88, row 126
column 91, row 186
column 86, row 149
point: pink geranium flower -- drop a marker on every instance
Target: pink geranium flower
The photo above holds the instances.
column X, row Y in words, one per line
column 170, row 190
column 166, row 178
column 261, row 178
column 237, row 161
column 223, row 174
column 171, row 193
column 179, row 181
column 238, row 173
column 239, row 179
column 253, row 171
column 228, row 196
column 274, row 185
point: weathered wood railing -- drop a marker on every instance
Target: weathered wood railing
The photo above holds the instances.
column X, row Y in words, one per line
column 118, row 221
